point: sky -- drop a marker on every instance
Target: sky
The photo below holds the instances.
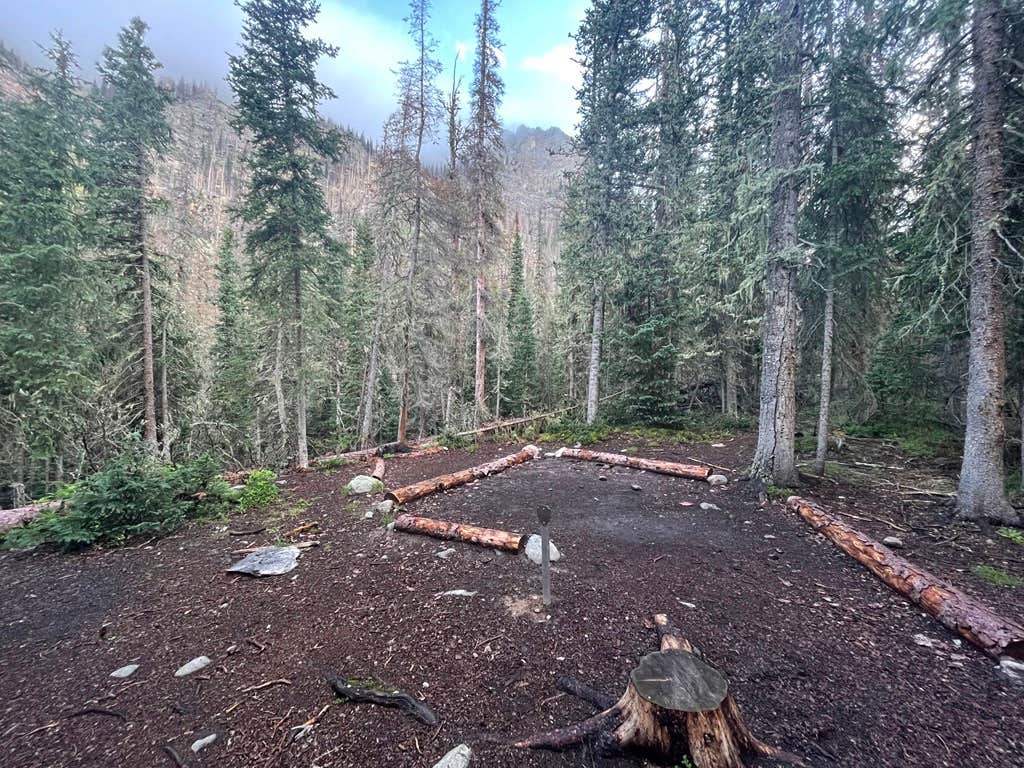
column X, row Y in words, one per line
column 192, row 38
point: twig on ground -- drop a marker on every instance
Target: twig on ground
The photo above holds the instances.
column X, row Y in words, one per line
column 268, row 684
column 709, row 464
column 174, row 756
column 250, row 532
column 98, row 711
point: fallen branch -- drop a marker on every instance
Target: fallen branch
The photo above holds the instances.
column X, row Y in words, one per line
column 651, row 465
column 955, row 609
column 268, row 684
column 380, row 695
column 444, row 482
column 302, row 529
column 471, row 534
column 10, row 518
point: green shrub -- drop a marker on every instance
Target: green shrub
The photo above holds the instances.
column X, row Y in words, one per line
column 1013, row 535
column 260, row 489
column 134, row 495
column 453, row 440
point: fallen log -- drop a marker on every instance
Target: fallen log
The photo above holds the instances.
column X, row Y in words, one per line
column 692, row 471
column 374, row 692
column 957, row 610
column 419, row 453
column 471, row 534
column 378, row 469
column 675, row 706
column 455, row 479
column 11, row 518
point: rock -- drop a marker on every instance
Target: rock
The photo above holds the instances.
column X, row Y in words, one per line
column 193, row 666
column 459, row 757
column 635, row 487
column 362, row 484
column 384, row 507
column 718, row 480
column 893, row 541
column 532, row 550
column 369, row 515
column 924, row 641
column 601, row 477
column 707, row 506
column 458, row 593
column 1012, row 668
column 269, row 561
column 444, row 554
column 718, row 445
column 125, row 671
column 206, row 741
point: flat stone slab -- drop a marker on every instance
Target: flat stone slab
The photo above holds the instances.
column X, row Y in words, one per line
column 459, row 757
column 199, row 662
column 126, row 671
column 269, row 561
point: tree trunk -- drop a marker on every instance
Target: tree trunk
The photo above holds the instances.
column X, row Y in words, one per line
column 478, row 383
column 455, row 479
column 955, row 609
column 165, row 400
column 366, row 407
column 982, row 491
column 825, row 397
column 729, row 405
column 471, row 534
column 148, row 384
column 302, row 448
column 774, row 458
column 594, row 367
column 278, row 377
column 651, row 465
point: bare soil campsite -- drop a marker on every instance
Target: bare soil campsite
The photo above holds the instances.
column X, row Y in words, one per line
column 825, row 662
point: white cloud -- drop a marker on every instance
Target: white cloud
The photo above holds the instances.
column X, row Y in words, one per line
column 557, row 62
column 547, row 90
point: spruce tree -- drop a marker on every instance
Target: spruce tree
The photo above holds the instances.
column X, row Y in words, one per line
column 278, row 94
column 521, row 376
column 133, row 131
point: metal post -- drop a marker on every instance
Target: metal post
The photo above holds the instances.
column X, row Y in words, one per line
column 544, row 516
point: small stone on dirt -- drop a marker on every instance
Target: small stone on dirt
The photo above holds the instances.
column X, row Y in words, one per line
column 125, row 671
column 458, row 593
column 893, row 541
column 459, row 757
column 362, row 484
column 269, row 561
column 533, row 552
column 444, row 554
column 193, row 666
column 384, row 507
column 206, row 741
column 602, row 477
column 635, row 487
column 924, row 641
column 707, row 506
column 369, row 515
column 718, row 480
column 718, row 445
column 1012, row 668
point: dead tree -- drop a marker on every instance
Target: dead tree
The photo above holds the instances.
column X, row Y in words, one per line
column 675, row 706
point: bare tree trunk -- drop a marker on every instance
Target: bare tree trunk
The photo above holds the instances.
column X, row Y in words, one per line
column 258, row 436
column 729, row 407
column 165, row 399
column 825, row 398
column 478, row 384
column 301, row 446
column 366, row 407
column 1020, row 408
column 278, row 378
column 774, row 458
column 982, row 493
column 594, row 368
column 148, row 384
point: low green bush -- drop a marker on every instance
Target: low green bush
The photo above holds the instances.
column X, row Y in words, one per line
column 133, row 495
column 260, row 489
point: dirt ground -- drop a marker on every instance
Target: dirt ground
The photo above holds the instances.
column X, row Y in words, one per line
column 822, row 657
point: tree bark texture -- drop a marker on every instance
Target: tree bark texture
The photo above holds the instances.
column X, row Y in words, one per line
column 774, row 458
column 825, row 396
column 471, row 534
column 955, row 609
column 366, row 407
column 594, row 366
column 148, row 382
column 690, row 471
column 455, row 479
column 301, row 444
column 982, row 492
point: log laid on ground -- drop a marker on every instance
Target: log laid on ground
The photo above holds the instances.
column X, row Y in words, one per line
column 378, row 469
column 374, row 692
column 455, row 479
column 955, row 609
column 675, row 706
column 10, row 518
column 420, row 452
column 692, row 471
column 471, row 534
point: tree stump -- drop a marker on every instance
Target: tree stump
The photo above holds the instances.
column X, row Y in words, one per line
column 675, row 706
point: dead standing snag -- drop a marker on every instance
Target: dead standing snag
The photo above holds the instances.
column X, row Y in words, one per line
column 675, row 705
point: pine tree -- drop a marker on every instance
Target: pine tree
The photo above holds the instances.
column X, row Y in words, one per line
column 521, row 376
column 133, row 130
column 278, row 94
column 47, row 355
column 486, row 145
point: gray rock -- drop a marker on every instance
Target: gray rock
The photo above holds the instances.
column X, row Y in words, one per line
column 707, row 506
column 444, row 554
column 269, row 561
column 362, row 484
column 718, row 445
column 459, row 757
column 369, row 514
column 718, row 480
column 193, row 666
column 125, row 671
column 384, row 507
column 1012, row 668
column 893, row 541
column 206, row 741
column 635, row 487
column 458, row 593
column 533, row 550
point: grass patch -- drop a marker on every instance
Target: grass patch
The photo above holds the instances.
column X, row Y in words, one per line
column 1013, row 534
column 996, row 576
column 703, row 429
column 780, row 494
